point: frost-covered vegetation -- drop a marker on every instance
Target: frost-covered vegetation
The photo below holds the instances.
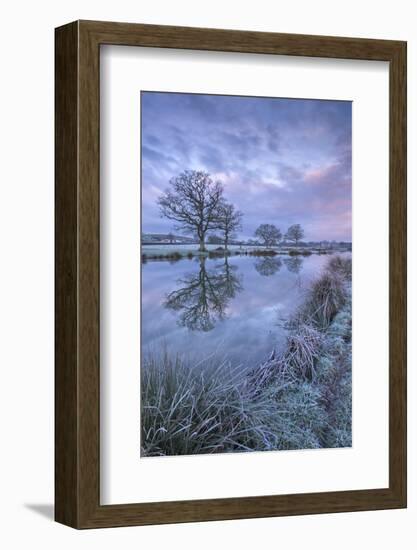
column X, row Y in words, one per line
column 297, row 399
column 180, row 251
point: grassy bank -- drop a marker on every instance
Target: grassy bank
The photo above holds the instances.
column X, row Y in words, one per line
column 298, row 399
column 171, row 253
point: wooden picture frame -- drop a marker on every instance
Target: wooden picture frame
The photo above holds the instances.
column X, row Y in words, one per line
column 77, row 405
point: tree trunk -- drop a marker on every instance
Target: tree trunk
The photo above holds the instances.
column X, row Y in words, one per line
column 225, row 244
column 202, row 247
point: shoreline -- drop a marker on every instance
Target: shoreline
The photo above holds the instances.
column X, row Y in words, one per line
column 220, row 252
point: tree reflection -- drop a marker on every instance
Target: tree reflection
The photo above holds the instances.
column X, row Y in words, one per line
column 268, row 265
column 294, row 264
column 204, row 296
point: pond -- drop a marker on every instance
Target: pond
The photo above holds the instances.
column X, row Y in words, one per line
column 227, row 308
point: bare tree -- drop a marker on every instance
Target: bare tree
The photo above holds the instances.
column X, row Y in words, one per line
column 192, row 201
column 295, row 233
column 229, row 221
column 269, row 234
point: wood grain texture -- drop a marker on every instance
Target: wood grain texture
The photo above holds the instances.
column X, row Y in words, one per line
column 78, row 284
column 398, row 273
column 66, row 237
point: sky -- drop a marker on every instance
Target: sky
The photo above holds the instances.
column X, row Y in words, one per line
column 281, row 161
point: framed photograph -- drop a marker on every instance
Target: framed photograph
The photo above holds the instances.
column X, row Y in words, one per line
column 230, row 274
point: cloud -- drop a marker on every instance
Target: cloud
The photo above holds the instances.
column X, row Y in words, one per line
column 281, row 161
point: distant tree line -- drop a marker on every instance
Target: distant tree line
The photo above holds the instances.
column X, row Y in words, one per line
column 270, row 235
column 197, row 204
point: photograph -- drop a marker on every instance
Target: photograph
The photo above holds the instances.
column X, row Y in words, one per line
column 246, row 256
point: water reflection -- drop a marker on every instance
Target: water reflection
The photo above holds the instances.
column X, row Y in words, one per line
column 203, row 297
column 294, row 264
column 268, row 265
column 249, row 303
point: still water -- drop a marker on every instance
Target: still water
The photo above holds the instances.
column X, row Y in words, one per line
column 231, row 308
